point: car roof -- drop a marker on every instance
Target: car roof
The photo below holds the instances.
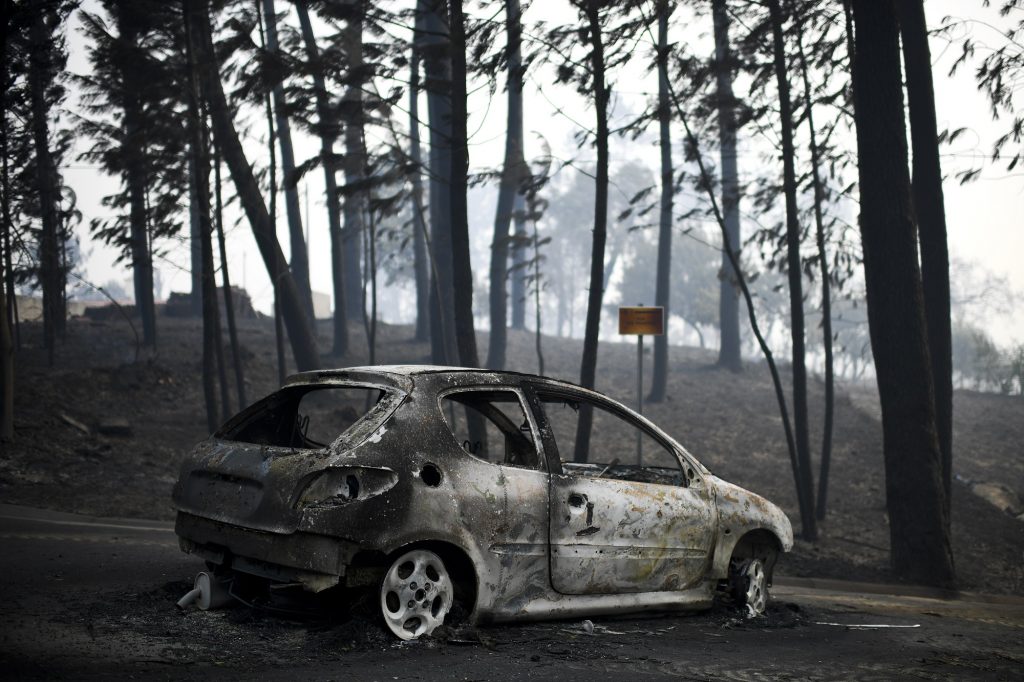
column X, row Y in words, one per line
column 401, row 375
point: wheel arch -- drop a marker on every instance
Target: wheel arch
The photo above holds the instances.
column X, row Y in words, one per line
column 456, row 559
column 762, row 543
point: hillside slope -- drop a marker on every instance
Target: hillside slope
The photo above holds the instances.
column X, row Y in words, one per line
column 729, row 421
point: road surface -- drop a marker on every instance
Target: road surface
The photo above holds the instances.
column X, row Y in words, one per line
column 93, row 598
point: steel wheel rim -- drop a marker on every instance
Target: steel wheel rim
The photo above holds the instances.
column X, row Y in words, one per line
column 416, row 594
column 756, row 595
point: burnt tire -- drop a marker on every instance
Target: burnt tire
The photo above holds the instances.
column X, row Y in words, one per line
column 749, row 585
column 416, row 594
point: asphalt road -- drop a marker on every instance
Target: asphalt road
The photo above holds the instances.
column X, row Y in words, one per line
column 86, row 598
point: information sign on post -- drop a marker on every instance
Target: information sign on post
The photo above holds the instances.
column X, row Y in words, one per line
column 641, row 321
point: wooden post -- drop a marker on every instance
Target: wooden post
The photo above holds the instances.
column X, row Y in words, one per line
column 641, row 320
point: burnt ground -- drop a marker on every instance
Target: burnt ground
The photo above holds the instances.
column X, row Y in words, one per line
column 94, row 599
column 61, row 460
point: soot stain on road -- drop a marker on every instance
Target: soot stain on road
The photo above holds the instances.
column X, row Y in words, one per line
column 149, row 620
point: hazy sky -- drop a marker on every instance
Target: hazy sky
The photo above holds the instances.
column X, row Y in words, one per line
column 984, row 217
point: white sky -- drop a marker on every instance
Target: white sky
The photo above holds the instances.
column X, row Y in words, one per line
column 984, row 217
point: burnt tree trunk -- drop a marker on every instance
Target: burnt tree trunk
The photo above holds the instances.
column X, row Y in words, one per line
column 926, row 187
column 142, row 263
column 6, row 369
column 826, row 285
column 40, row 75
column 661, row 292
column 201, row 181
column 421, row 267
column 195, row 248
column 462, row 270
column 512, row 177
column 297, row 241
column 519, row 265
column 538, row 323
column 588, row 366
column 229, row 297
column 6, row 342
column 516, row 284
column 728, row 297
column 805, row 482
column 327, row 128
column 438, row 83
column 217, row 227
column 354, row 162
column 918, row 526
column 8, row 264
column 300, row 331
column 268, row 108
column 370, row 259
column 7, row 298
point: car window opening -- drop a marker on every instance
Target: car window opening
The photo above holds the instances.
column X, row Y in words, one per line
column 493, row 426
column 305, row 417
column 613, row 445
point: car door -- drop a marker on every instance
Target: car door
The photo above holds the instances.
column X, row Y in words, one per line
column 625, row 514
column 503, row 483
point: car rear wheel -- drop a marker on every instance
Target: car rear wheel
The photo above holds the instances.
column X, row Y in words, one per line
column 416, row 594
column 750, row 585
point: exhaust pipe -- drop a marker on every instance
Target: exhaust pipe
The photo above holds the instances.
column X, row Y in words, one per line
column 207, row 593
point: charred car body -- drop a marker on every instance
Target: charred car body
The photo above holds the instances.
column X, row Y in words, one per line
column 432, row 484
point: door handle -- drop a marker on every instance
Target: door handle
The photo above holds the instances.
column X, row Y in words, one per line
column 577, row 500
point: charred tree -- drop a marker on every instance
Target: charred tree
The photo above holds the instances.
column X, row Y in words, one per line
column 926, row 187
column 588, row 367
column 918, row 526
column 7, row 299
column 229, row 297
column 728, row 298
column 327, row 129
column 300, row 331
column 194, row 242
column 462, row 270
column 826, row 294
column 421, row 267
column 435, row 47
column 135, row 172
column 51, row 278
column 201, row 181
column 513, row 175
column 519, row 263
column 370, row 279
column 354, row 161
column 268, row 108
column 6, row 341
column 661, row 292
column 805, row 484
column 6, row 369
column 6, row 263
column 297, row 241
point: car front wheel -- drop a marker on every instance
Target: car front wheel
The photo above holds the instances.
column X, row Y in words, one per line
column 750, row 585
column 416, row 594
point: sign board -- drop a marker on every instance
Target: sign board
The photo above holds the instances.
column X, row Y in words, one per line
column 642, row 320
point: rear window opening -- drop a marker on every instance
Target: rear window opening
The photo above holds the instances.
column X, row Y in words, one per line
column 492, row 426
column 303, row 417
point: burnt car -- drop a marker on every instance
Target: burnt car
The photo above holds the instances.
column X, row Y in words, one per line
column 429, row 485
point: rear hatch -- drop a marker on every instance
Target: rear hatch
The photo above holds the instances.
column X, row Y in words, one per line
column 253, row 470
